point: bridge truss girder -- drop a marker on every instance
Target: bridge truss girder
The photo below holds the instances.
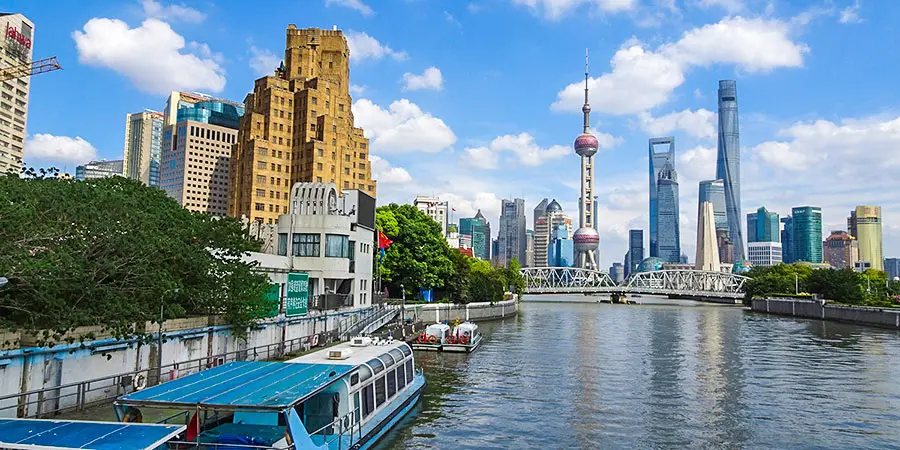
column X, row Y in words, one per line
column 690, row 283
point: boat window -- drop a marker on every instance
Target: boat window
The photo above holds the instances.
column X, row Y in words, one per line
column 368, row 400
column 409, row 371
column 356, row 407
column 406, row 350
column 401, row 376
column 387, row 359
column 391, row 383
column 397, row 354
column 376, row 365
column 364, row 372
column 354, row 379
column 379, row 392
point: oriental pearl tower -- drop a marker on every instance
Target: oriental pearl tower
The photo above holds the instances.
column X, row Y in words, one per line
column 586, row 238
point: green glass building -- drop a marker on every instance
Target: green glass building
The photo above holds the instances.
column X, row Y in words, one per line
column 480, row 230
column 807, row 233
column 762, row 226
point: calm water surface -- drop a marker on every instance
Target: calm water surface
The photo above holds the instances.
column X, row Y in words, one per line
column 563, row 375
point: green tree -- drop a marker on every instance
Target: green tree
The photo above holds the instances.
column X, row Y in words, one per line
column 781, row 279
column 111, row 252
column 513, row 277
column 419, row 256
column 457, row 286
column 838, row 285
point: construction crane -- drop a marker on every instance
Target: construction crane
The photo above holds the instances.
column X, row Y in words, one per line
column 29, row 69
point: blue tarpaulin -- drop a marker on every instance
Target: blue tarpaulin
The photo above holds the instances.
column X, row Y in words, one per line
column 63, row 434
column 243, row 384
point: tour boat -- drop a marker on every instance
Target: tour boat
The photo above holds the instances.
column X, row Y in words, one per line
column 434, row 336
column 465, row 337
column 344, row 397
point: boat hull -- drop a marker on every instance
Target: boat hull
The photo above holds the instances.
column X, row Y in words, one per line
column 388, row 423
column 427, row 347
column 463, row 348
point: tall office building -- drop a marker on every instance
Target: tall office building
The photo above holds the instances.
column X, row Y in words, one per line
column 194, row 168
column 657, row 161
column 539, row 210
column 707, row 247
column 18, row 43
column 728, row 162
column 298, row 127
column 841, row 250
column 667, row 219
column 544, row 232
column 787, row 240
column 713, row 191
column 562, row 247
column 480, row 229
column 866, row 224
column 726, row 248
column 99, row 169
column 617, row 272
column 807, row 235
column 143, row 147
column 892, row 267
column 761, row 254
column 512, row 240
column 436, row 209
column 529, row 249
column 635, row 250
column 763, row 226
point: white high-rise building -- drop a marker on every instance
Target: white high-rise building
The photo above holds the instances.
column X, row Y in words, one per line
column 707, row 247
column 143, row 146
column 436, row 209
column 18, row 42
column 764, row 254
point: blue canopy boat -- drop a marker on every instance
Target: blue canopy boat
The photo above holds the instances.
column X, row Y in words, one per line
column 344, row 397
column 65, row 434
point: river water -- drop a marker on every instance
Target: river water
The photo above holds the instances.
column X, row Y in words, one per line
column 685, row 375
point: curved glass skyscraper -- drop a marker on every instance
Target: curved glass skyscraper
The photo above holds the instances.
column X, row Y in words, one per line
column 668, row 232
column 728, row 163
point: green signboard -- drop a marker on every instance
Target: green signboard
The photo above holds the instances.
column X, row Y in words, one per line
column 297, row 301
column 273, row 299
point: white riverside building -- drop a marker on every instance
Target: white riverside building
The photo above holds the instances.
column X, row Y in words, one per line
column 763, row 254
column 327, row 234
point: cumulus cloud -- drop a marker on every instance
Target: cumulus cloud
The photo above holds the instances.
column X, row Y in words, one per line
column 262, row 61
column 643, row 78
column 402, row 127
column 385, row 173
column 699, row 124
column 430, row 79
column 850, row 14
column 150, row 56
column 481, row 157
column 363, row 46
column 356, row 89
column 556, row 9
column 172, row 12
column 521, row 145
column 58, row 150
column 358, row 5
column 730, row 6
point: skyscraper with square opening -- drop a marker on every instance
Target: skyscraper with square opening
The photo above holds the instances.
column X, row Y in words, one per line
column 657, row 161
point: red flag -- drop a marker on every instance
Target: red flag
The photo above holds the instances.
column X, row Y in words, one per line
column 383, row 241
column 193, row 428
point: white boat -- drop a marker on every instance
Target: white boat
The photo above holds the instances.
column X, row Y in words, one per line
column 433, row 338
column 465, row 337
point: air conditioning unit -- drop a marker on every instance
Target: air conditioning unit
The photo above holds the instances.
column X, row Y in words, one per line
column 343, row 353
column 360, row 341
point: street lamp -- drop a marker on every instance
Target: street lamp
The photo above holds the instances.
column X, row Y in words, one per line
column 796, row 284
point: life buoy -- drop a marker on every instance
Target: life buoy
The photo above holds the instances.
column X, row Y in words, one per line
column 422, row 338
column 451, row 339
column 139, row 382
column 432, row 339
column 464, row 339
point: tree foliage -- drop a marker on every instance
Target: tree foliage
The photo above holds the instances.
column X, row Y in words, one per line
column 844, row 286
column 111, row 252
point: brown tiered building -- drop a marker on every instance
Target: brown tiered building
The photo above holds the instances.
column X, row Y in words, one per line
column 298, row 127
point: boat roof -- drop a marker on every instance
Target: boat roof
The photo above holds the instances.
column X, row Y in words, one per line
column 243, row 385
column 66, row 434
column 439, row 326
column 358, row 355
column 467, row 326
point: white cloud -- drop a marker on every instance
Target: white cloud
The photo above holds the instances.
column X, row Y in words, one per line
column 385, row 173
column 555, row 9
column 403, row 127
column 363, row 46
column 204, row 51
column 452, row 20
column 699, row 124
column 481, row 157
column 358, row 5
column 642, row 79
column 430, row 79
column 468, row 205
column 522, row 145
column 730, row 6
column 262, row 61
column 850, row 14
column 149, row 56
column 58, row 150
column 356, row 89
column 606, row 140
column 172, row 12
column 473, row 8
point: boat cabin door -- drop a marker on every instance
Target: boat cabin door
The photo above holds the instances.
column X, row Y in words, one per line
column 321, row 410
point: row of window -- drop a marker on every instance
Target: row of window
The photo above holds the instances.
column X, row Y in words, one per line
column 215, row 135
column 310, row 244
column 385, row 387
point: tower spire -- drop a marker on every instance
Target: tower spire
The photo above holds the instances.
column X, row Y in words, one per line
column 586, row 109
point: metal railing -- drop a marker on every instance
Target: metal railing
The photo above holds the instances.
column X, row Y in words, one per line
column 373, row 316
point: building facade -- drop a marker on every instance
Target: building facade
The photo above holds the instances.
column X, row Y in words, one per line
column 529, row 249
column 143, row 147
column 841, row 250
column 511, row 236
column 561, row 252
column 635, row 253
column 787, row 240
column 713, row 191
column 728, row 162
column 726, row 248
column 99, row 169
column 892, row 267
column 763, row 226
column 18, row 44
column 765, row 253
column 299, row 127
column 196, row 156
column 436, row 209
column 545, row 232
column 707, row 257
column 480, row 230
column 657, row 161
column 667, row 219
column 807, row 235
column 539, row 211
column 867, row 225
column 617, row 272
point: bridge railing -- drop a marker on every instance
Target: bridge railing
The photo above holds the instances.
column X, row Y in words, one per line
column 542, row 280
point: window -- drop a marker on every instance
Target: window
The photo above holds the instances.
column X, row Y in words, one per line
column 319, row 166
column 401, row 377
column 334, row 128
column 347, row 157
column 260, row 192
column 391, row 383
column 341, row 107
column 315, row 101
column 282, row 244
column 368, row 402
column 306, row 244
column 260, row 207
column 379, row 392
column 260, row 164
column 337, row 246
column 321, row 152
column 409, row 371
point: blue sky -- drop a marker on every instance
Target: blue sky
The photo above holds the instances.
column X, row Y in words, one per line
column 479, row 101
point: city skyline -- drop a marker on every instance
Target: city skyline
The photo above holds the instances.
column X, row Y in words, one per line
column 461, row 132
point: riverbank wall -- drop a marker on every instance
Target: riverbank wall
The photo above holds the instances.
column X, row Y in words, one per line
column 475, row 312
column 41, row 381
column 818, row 309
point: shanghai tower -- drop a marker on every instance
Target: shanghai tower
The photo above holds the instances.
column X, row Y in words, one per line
column 728, row 163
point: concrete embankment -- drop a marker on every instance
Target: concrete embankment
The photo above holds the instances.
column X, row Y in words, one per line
column 475, row 312
column 812, row 309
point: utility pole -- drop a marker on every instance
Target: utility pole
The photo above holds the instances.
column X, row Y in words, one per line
column 796, row 284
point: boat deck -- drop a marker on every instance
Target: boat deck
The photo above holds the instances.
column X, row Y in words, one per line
column 66, row 434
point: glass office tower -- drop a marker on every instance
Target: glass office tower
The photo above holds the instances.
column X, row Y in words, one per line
column 728, row 162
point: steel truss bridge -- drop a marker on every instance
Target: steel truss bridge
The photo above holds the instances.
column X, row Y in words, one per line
column 675, row 283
